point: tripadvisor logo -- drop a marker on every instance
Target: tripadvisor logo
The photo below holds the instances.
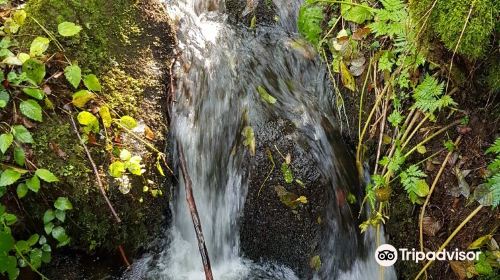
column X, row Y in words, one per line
column 387, row 255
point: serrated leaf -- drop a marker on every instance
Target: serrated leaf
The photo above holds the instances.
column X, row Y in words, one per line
column 6, row 140
column 22, row 134
column 264, row 95
column 357, row 14
column 19, row 156
column 34, row 92
column 63, row 203
column 21, row 190
column 39, row 46
column 68, row 29
column 309, row 22
column 128, row 122
column 105, row 116
column 73, row 74
column 31, row 109
column 34, row 69
column 92, row 82
column 116, row 169
column 46, row 175
column 81, row 98
column 9, row 177
column 33, row 184
column 48, row 216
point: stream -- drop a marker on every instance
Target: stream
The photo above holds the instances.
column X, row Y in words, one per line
column 220, row 67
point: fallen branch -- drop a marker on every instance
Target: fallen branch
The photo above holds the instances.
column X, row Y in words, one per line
column 124, row 256
column 194, row 214
column 96, row 172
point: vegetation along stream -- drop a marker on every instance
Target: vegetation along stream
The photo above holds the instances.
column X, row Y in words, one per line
column 249, row 139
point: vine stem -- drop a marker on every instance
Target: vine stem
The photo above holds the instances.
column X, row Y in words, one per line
column 452, row 235
column 428, row 198
column 96, row 172
column 29, row 264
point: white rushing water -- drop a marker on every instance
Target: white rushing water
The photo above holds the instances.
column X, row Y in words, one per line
column 217, row 73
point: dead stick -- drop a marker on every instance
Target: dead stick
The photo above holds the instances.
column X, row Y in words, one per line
column 194, row 215
column 94, row 167
column 124, row 256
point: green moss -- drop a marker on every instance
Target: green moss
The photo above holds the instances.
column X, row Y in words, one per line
column 448, row 18
column 122, row 91
column 492, row 77
column 107, row 27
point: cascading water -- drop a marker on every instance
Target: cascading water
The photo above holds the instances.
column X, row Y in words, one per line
column 220, row 67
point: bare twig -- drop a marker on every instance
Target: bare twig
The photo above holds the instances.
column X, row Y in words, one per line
column 96, row 172
column 194, row 214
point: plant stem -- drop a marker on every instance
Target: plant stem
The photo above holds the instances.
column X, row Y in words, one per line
column 431, row 137
column 448, row 240
column 414, row 131
column 428, row 198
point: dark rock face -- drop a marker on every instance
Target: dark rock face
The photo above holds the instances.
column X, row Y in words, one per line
column 264, row 11
column 270, row 229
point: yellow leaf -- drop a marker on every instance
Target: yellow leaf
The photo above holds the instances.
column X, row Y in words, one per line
column 105, row 116
column 302, row 199
column 421, row 149
column 346, row 77
column 480, row 242
column 81, row 98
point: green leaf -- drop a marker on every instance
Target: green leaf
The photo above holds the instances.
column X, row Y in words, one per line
column 309, row 22
column 19, row 156
column 287, row 173
column 357, row 14
column 9, row 265
column 92, row 83
column 36, row 257
column 46, row 255
column 73, row 74
column 22, row 134
column 81, row 98
column 128, row 122
column 19, row 17
column 63, row 203
column 39, row 46
column 422, row 188
column 23, row 246
column 265, row 95
column 6, row 242
column 9, row 219
column 116, row 169
column 9, row 177
column 34, row 92
column 68, row 29
column 89, row 120
column 315, row 263
column 34, row 69
column 249, row 141
column 60, row 215
column 60, row 235
column 46, row 175
column 480, row 242
column 31, row 109
column 5, row 141
column 48, row 227
column 21, row 190
column 33, row 184
column 134, row 165
column 48, row 216
column 33, row 239
column 4, row 97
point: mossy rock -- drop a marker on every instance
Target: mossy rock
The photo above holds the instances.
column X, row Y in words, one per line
column 128, row 45
column 448, row 18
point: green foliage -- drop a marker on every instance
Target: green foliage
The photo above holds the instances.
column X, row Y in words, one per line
column 309, row 22
column 31, row 109
column 414, row 184
column 39, row 46
column 429, row 96
column 73, row 74
column 264, row 95
column 92, row 82
column 493, row 182
column 354, row 13
column 68, row 29
column 287, row 172
column 128, row 122
column 391, row 20
column 448, row 18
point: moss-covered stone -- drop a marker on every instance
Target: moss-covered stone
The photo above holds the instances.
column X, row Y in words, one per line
column 127, row 44
column 448, row 18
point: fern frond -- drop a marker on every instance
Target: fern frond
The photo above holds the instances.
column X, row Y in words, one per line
column 494, row 185
column 495, row 148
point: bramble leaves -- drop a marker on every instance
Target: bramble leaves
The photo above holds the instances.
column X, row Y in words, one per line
column 31, row 109
column 68, row 29
column 63, row 204
column 34, row 92
column 9, row 177
column 46, row 175
column 22, row 134
column 39, row 46
column 73, row 74
column 6, row 140
column 92, row 83
column 34, row 69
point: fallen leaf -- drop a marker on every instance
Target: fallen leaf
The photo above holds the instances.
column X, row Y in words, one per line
column 148, row 133
column 462, row 268
column 361, row 33
column 430, row 226
column 57, row 150
column 346, row 77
